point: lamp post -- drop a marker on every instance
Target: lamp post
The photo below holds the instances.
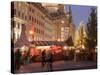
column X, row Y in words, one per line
column 65, row 47
column 64, row 52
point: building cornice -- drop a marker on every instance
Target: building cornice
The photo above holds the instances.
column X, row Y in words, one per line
column 51, row 16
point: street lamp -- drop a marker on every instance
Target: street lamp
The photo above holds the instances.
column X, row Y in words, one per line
column 65, row 47
column 83, row 47
column 31, row 32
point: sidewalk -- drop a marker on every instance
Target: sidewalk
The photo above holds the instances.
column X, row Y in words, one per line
column 57, row 66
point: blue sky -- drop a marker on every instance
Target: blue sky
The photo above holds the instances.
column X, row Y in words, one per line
column 79, row 13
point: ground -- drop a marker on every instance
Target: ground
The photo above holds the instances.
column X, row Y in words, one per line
column 57, row 66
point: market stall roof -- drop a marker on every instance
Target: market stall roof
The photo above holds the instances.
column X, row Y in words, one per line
column 22, row 40
column 47, row 43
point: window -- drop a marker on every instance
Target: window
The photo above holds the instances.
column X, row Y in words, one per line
column 18, row 13
column 29, row 17
column 23, row 15
column 42, row 32
column 35, row 20
column 39, row 23
column 30, row 9
column 35, row 29
column 32, row 19
column 62, row 28
column 39, row 31
column 18, row 26
column 14, row 11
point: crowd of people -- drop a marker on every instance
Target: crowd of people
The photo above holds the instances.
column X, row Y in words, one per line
column 46, row 59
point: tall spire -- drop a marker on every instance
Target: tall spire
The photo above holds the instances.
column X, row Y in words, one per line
column 70, row 14
column 69, row 8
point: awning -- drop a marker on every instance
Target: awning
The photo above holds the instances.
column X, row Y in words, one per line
column 48, row 43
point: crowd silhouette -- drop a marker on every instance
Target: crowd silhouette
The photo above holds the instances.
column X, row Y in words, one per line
column 46, row 59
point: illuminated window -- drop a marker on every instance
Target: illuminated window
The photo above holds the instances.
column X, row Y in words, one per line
column 62, row 28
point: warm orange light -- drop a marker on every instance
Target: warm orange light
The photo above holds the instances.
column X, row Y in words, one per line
column 83, row 47
column 77, row 51
column 62, row 22
column 31, row 32
column 65, row 47
column 59, row 39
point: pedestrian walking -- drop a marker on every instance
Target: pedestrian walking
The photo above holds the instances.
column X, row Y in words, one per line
column 28, row 56
column 43, row 58
column 24, row 57
column 49, row 60
column 17, row 59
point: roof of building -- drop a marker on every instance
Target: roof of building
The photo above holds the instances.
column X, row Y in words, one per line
column 48, row 43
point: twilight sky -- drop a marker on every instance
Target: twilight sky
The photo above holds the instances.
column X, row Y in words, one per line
column 79, row 13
